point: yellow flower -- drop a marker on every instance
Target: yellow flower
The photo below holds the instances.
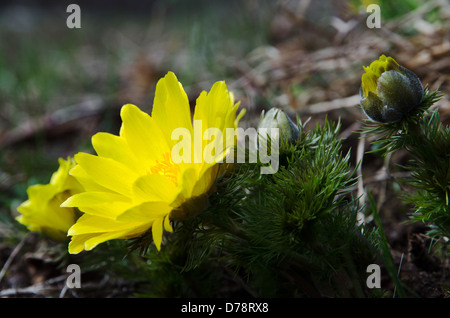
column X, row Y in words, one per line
column 389, row 91
column 42, row 212
column 133, row 183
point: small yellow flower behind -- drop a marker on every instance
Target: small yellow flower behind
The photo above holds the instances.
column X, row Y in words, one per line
column 133, row 184
column 42, row 212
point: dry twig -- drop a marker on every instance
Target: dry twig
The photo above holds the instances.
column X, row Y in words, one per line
column 12, row 256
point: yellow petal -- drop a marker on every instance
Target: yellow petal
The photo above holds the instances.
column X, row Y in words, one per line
column 171, row 106
column 143, row 135
column 107, row 172
column 89, row 241
column 92, row 242
column 205, row 181
column 88, row 224
column 85, row 180
column 40, row 193
column 59, row 176
column 369, row 83
column 42, row 209
column 189, row 178
column 167, row 225
column 93, row 198
column 213, row 107
column 157, row 232
column 154, row 187
column 114, row 147
column 239, row 116
column 76, row 244
column 145, row 213
column 104, row 204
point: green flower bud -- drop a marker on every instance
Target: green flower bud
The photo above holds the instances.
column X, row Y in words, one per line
column 389, row 91
column 276, row 118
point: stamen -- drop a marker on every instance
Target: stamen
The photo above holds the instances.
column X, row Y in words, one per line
column 166, row 167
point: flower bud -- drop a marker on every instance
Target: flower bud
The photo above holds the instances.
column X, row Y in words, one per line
column 276, row 118
column 389, row 91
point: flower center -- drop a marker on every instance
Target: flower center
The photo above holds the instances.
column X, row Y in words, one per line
column 166, row 167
